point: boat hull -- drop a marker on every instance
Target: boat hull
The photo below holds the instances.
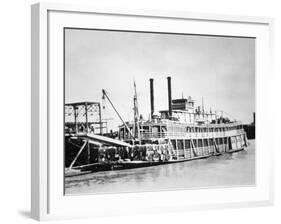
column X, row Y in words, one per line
column 98, row 167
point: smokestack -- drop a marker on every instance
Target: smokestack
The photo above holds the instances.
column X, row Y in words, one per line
column 151, row 97
column 169, row 96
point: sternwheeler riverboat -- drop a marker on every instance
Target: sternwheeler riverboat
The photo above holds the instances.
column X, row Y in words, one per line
column 181, row 133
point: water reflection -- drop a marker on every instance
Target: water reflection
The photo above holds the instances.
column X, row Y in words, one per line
column 225, row 170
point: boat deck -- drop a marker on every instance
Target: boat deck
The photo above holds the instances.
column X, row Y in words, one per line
column 102, row 166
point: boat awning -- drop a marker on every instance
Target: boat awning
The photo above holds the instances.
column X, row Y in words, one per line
column 103, row 139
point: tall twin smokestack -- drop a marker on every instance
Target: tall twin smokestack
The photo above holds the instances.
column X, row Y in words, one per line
column 151, row 97
column 169, row 96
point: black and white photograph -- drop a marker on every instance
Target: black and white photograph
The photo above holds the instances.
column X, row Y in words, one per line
column 151, row 111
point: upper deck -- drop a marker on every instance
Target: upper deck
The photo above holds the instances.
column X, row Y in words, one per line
column 163, row 128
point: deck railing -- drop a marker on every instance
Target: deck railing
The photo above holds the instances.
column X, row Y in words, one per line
column 193, row 135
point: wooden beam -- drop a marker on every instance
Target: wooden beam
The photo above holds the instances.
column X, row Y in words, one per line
column 216, row 146
column 193, row 148
column 78, row 154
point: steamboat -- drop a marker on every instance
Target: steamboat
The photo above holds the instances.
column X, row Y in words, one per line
column 181, row 133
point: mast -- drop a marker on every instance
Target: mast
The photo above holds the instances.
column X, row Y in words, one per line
column 151, row 98
column 136, row 114
column 169, row 97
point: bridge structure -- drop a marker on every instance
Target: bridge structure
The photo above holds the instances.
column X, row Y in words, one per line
column 85, row 117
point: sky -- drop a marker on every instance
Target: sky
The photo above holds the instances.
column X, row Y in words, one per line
column 219, row 69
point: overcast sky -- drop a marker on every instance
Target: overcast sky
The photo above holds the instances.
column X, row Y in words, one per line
column 220, row 69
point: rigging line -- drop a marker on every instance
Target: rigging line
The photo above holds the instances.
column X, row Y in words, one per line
column 105, row 94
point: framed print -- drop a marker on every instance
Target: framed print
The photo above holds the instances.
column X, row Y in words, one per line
column 143, row 108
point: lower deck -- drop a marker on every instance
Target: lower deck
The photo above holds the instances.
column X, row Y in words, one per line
column 190, row 148
column 121, row 165
column 173, row 150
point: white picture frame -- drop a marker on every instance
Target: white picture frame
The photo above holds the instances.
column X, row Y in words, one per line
column 48, row 200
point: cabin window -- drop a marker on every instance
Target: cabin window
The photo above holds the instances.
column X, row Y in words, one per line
column 225, row 140
column 205, row 142
column 200, row 142
column 211, row 142
column 187, row 144
column 220, row 141
column 180, row 144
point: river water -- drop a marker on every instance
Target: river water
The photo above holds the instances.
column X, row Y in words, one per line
column 228, row 170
